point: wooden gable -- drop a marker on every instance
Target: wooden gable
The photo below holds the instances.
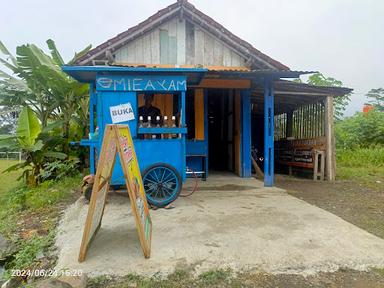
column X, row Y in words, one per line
column 178, row 42
column 180, row 35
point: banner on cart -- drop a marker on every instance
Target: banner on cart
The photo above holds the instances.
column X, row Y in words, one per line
column 142, row 83
column 122, row 113
column 117, row 139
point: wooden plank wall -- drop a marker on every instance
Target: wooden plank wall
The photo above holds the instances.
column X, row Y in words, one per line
column 162, row 101
column 330, row 163
column 210, row 51
column 199, row 114
column 178, row 42
column 307, row 122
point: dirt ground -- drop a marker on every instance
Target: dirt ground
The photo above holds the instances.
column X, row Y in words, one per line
column 354, row 202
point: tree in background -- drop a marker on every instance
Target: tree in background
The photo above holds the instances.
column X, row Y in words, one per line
column 362, row 130
column 376, row 98
column 8, row 120
column 340, row 103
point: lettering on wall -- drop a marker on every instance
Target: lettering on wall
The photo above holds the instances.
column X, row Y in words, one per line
column 122, row 113
column 127, row 83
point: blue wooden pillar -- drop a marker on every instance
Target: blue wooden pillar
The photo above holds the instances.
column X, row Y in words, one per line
column 268, row 134
column 246, row 134
column 184, row 144
column 206, row 134
column 92, row 102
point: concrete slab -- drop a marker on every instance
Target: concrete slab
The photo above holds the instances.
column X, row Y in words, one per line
column 230, row 222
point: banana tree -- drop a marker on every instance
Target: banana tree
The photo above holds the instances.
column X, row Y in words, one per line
column 36, row 143
column 71, row 104
column 37, row 81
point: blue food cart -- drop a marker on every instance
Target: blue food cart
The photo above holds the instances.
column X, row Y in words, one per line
column 115, row 96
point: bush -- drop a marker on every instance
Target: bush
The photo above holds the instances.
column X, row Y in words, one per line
column 363, row 130
column 58, row 169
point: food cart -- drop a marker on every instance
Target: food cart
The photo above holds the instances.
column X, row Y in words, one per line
column 116, row 93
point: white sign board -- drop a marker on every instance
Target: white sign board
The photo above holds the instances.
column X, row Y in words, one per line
column 122, row 113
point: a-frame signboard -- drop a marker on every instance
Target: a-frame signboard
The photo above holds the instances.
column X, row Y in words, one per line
column 117, row 139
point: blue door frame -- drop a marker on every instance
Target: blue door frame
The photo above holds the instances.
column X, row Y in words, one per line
column 246, row 134
column 268, row 134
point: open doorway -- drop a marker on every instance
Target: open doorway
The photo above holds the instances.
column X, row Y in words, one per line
column 224, row 130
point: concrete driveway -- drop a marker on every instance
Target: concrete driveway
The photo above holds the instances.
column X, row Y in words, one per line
column 229, row 223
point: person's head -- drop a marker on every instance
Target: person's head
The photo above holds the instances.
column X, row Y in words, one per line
column 148, row 98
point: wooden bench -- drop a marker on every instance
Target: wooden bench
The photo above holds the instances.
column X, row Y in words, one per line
column 317, row 164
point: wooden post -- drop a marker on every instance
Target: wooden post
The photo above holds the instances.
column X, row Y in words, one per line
column 330, row 157
column 289, row 123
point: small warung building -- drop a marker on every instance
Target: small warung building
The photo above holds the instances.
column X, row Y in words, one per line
column 227, row 95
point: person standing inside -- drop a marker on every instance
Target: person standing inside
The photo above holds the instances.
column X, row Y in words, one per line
column 148, row 110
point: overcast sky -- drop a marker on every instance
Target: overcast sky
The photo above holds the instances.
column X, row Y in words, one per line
column 343, row 39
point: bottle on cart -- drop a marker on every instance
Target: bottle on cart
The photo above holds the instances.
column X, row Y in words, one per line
column 141, row 119
column 165, row 125
column 173, row 135
column 149, row 119
column 157, row 136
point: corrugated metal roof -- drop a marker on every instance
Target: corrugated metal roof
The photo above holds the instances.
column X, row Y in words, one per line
column 209, row 68
column 284, row 87
column 259, row 74
column 296, row 87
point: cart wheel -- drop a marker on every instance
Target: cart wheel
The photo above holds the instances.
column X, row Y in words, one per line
column 162, row 184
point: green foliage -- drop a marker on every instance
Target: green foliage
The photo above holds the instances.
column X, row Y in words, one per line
column 28, row 129
column 360, row 130
column 340, row 102
column 29, row 250
column 38, row 82
column 36, row 145
column 376, row 98
column 59, row 169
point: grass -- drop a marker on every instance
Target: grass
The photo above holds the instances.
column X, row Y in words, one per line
column 28, row 216
column 365, row 165
column 8, row 180
column 179, row 278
